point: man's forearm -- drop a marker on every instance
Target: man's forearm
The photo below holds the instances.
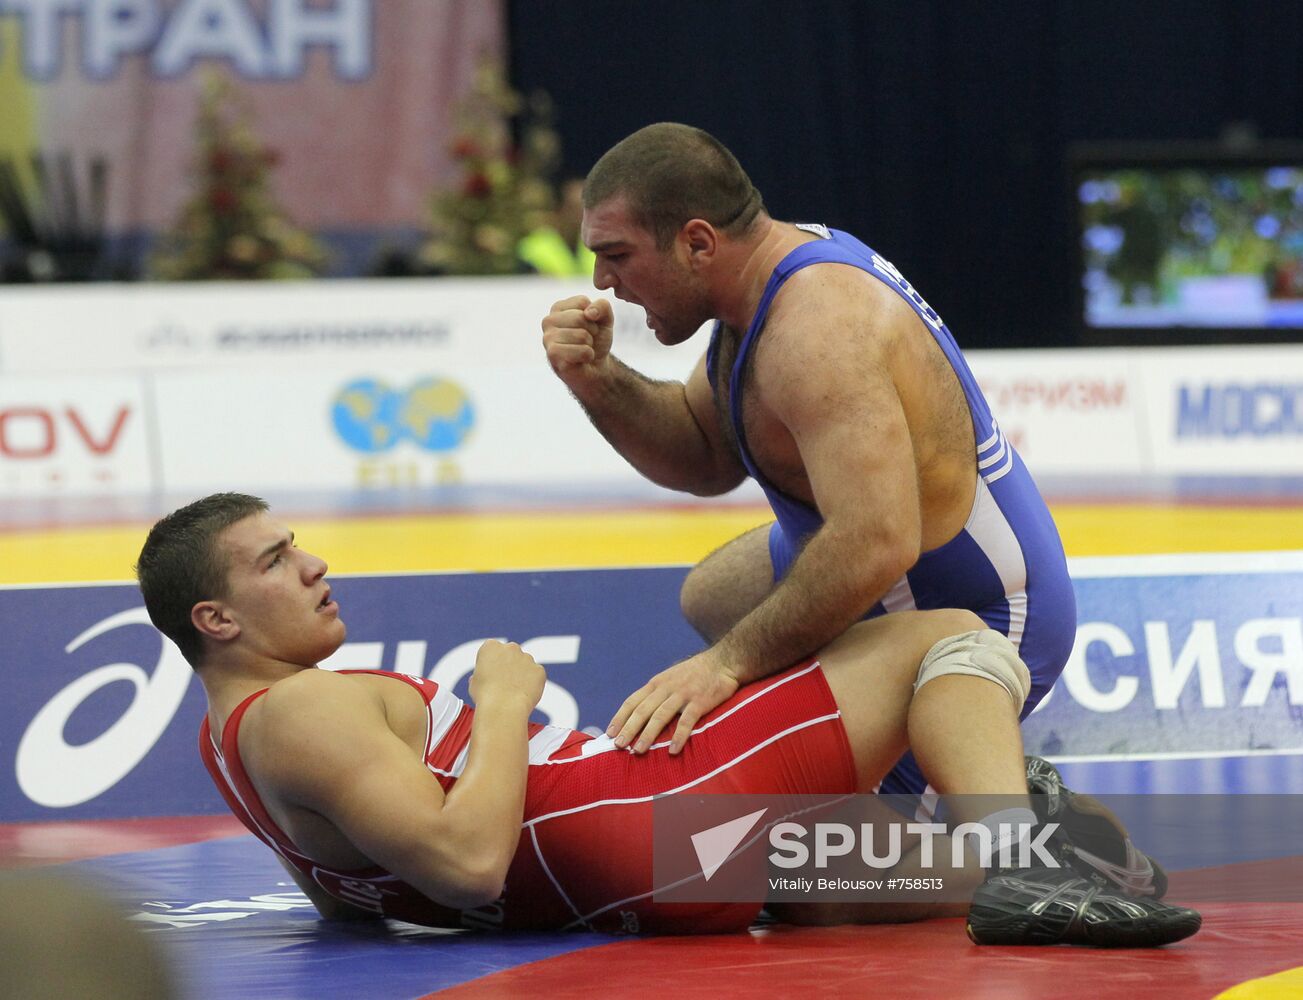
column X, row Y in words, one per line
column 651, row 425
column 829, row 587
column 488, row 802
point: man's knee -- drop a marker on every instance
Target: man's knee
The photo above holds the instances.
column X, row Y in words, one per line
column 694, row 595
column 725, row 586
column 982, row 653
column 705, row 602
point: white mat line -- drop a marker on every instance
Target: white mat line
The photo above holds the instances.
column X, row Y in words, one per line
column 1104, row 758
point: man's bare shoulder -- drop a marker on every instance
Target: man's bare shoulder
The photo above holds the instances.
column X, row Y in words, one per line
column 314, row 714
column 833, row 311
column 831, row 323
column 307, row 688
column 834, row 288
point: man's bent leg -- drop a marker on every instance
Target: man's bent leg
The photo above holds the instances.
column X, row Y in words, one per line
column 955, row 687
column 724, row 587
column 1035, row 902
column 965, row 737
column 872, row 671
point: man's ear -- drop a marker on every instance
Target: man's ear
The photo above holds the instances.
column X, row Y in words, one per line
column 700, row 240
column 211, row 618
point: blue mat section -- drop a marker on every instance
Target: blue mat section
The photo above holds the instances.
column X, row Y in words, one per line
column 1203, row 812
column 1266, row 774
column 235, row 928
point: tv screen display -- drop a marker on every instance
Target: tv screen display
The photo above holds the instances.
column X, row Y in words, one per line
column 1194, row 244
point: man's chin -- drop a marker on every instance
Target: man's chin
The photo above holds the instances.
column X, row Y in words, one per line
column 671, row 337
column 330, row 647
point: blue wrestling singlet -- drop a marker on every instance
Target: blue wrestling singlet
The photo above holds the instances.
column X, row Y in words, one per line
column 1007, row 564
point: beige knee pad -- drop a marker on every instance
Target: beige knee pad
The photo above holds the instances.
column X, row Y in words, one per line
column 985, row 653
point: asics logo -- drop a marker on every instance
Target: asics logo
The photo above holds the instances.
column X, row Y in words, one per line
column 54, row 773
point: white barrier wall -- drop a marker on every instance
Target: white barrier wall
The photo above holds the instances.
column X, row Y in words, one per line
column 1068, row 411
column 127, row 390
column 135, row 389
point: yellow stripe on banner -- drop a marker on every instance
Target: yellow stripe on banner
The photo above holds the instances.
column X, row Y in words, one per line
column 527, row 541
column 658, row 537
column 1126, row 529
column 454, row 542
column 1287, row 985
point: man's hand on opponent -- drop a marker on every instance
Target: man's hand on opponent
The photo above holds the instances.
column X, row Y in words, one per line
column 688, row 689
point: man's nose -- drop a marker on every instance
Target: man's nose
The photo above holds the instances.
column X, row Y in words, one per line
column 314, row 567
column 603, row 277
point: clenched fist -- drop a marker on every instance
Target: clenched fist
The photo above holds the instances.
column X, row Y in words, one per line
column 503, row 669
column 577, row 337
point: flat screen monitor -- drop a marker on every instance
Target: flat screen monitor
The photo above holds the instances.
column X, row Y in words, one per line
column 1189, row 244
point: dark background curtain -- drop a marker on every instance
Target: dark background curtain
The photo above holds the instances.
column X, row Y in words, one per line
column 935, row 130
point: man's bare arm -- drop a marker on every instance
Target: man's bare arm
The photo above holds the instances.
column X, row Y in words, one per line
column 824, row 374
column 668, row 431
column 838, row 400
column 331, row 751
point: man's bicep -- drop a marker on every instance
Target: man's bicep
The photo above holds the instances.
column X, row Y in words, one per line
column 860, row 462
column 379, row 795
column 845, row 416
column 343, row 762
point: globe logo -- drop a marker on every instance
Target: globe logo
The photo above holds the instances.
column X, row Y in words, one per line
column 371, row 416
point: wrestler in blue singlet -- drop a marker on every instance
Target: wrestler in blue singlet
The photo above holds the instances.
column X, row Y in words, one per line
column 1006, row 565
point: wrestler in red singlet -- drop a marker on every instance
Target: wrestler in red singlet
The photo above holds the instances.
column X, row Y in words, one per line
column 584, row 859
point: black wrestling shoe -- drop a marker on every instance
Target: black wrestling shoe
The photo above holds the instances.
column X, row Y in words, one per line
column 1034, row 906
column 1090, row 838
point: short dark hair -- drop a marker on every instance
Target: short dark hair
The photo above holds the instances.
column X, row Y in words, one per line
column 671, row 173
column 180, row 565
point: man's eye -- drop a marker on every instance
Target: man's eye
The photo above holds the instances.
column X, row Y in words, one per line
column 275, row 560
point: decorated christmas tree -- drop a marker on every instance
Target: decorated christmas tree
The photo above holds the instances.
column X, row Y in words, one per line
column 505, row 152
column 231, row 227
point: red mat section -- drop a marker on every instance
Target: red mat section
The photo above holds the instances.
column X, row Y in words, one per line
column 1277, row 880
column 926, row 960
